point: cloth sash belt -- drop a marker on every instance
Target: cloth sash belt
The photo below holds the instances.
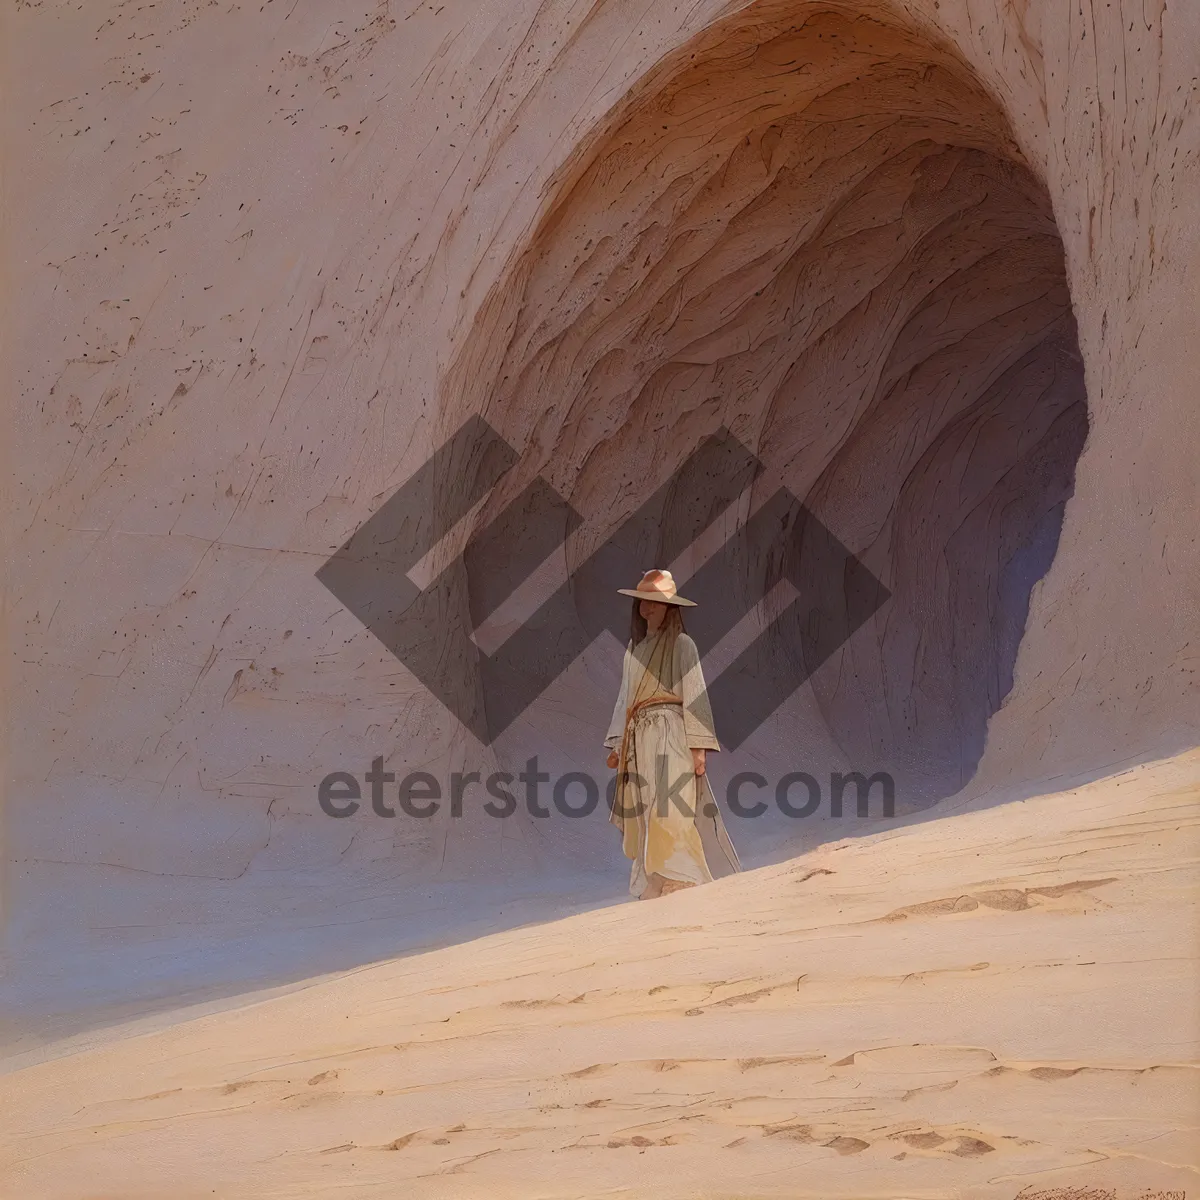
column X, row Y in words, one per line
column 630, row 713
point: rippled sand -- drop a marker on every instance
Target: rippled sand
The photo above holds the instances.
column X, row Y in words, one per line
column 994, row 1003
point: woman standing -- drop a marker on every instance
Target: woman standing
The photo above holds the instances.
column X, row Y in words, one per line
column 661, row 729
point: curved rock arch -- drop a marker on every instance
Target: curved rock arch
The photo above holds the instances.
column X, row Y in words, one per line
column 817, row 229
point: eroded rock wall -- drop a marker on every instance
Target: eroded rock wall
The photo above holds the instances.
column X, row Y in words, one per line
column 262, row 257
column 817, row 231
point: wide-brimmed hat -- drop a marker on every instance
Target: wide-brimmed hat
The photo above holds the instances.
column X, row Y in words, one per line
column 658, row 586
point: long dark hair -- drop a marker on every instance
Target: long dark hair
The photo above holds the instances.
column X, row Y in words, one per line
column 638, row 627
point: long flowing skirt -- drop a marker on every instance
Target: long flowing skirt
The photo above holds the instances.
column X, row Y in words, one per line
column 672, row 825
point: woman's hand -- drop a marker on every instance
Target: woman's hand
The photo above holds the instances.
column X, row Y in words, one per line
column 698, row 760
column 614, row 759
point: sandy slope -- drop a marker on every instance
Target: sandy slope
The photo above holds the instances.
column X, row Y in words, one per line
column 991, row 1003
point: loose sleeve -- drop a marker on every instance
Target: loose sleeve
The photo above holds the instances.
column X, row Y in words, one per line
column 697, row 712
column 616, row 727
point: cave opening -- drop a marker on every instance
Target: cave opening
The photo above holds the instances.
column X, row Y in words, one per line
column 814, row 228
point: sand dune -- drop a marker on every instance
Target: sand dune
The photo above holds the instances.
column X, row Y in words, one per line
column 932, row 261
column 994, row 1003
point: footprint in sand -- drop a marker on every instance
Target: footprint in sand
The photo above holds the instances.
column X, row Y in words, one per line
column 848, row 1145
column 962, row 1145
column 1003, row 899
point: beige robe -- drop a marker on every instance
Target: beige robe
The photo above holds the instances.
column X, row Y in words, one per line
column 668, row 816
